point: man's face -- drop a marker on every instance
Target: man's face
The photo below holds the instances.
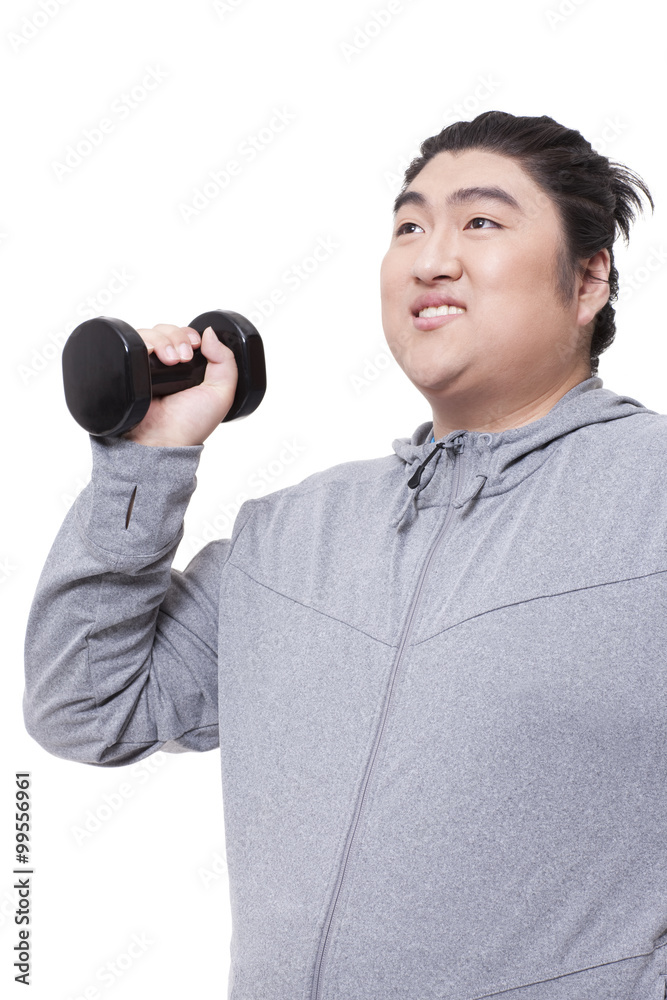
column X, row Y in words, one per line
column 499, row 262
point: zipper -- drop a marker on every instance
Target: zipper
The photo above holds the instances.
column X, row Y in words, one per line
column 324, row 942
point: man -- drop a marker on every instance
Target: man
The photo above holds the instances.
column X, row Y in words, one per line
column 436, row 678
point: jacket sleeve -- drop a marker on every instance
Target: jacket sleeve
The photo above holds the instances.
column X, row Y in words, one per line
column 121, row 653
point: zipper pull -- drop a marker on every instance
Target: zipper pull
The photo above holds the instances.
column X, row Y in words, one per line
column 458, row 442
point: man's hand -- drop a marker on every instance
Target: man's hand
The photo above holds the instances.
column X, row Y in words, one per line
column 189, row 416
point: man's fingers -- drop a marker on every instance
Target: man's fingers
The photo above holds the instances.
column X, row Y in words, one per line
column 170, row 343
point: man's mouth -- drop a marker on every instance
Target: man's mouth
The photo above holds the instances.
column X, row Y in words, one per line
column 439, row 311
column 436, row 303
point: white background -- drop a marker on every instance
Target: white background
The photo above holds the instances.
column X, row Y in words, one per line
column 360, row 100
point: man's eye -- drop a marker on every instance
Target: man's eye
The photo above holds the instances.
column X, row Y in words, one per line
column 472, row 225
column 401, row 229
column 480, row 218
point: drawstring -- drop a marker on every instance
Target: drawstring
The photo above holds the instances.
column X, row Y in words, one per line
column 457, row 445
column 460, row 501
column 415, row 479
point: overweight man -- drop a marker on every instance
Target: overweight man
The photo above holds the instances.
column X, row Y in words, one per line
column 437, row 679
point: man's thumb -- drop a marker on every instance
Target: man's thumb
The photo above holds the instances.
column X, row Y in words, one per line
column 221, row 367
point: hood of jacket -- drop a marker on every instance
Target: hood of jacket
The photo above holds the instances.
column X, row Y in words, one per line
column 495, row 462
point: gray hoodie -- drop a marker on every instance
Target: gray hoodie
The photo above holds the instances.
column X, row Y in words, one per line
column 441, row 709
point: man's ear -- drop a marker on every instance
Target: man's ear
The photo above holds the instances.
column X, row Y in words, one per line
column 594, row 287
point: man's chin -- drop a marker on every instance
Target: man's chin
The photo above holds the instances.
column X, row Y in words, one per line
column 434, row 382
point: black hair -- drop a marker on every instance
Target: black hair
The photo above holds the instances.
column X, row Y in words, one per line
column 595, row 197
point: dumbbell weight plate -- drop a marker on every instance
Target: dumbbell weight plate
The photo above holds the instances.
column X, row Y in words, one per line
column 237, row 333
column 106, row 376
column 110, row 378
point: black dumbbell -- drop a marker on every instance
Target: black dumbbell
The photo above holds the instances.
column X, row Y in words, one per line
column 110, row 378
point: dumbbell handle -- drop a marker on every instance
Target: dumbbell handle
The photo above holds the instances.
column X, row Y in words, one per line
column 237, row 333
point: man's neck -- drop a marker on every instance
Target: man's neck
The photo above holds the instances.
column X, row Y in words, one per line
column 503, row 414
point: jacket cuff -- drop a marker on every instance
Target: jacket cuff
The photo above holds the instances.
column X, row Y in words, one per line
column 137, row 496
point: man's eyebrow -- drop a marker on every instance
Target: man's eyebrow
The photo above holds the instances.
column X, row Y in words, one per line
column 460, row 197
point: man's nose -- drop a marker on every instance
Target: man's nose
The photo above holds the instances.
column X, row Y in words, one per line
column 438, row 257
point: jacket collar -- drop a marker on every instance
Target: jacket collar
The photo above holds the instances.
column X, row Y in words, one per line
column 495, row 462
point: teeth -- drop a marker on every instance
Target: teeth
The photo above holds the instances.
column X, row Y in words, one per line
column 441, row 311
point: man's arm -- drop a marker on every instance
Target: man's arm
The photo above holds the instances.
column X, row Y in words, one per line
column 121, row 650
